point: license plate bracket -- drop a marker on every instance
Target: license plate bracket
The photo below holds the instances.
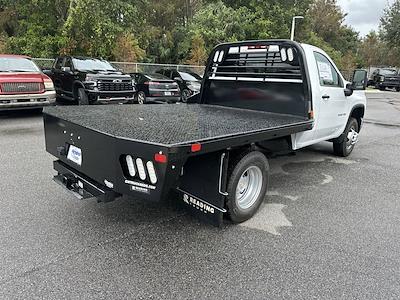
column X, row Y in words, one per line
column 75, row 154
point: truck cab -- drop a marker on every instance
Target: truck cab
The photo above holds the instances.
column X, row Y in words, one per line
column 335, row 101
column 88, row 80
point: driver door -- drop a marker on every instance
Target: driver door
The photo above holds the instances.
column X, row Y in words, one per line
column 68, row 76
column 332, row 112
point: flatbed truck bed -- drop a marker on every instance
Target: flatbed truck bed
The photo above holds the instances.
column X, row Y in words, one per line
column 104, row 136
column 177, row 125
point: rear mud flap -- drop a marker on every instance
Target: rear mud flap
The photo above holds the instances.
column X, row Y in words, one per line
column 202, row 187
column 201, row 209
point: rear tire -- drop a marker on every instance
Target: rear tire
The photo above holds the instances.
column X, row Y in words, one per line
column 82, row 97
column 346, row 143
column 247, row 186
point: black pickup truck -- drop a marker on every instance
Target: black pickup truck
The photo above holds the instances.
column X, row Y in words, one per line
column 256, row 99
column 383, row 78
column 90, row 81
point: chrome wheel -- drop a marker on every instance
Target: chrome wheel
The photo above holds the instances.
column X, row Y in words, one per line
column 352, row 138
column 249, row 187
column 185, row 95
column 141, row 98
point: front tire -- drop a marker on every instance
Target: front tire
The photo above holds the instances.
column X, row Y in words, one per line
column 247, row 186
column 346, row 143
column 141, row 97
column 82, row 98
column 185, row 95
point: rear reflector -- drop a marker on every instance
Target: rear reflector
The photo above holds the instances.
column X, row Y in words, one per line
column 196, row 147
column 160, row 158
column 141, row 170
column 152, row 172
column 131, row 166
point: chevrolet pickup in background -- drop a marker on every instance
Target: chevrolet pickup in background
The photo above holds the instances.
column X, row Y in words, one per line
column 384, row 78
column 258, row 98
column 85, row 80
column 23, row 85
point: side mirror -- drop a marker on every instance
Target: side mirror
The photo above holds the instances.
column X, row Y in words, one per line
column 178, row 79
column 66, row 69
column 360, row 80
column 348, row 91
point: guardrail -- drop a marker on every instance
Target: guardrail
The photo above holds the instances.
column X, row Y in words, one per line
column 129, row 67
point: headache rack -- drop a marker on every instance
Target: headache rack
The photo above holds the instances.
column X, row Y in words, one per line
column 257, row 62
column 266, row 76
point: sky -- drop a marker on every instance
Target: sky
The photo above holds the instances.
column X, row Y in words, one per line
column 364, row 15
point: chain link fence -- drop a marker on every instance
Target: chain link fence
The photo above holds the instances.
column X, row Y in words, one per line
column 127, row 67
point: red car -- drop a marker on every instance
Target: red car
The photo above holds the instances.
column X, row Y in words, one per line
column 23, row 85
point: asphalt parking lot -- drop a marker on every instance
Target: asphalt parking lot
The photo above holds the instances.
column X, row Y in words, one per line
column 329, row 228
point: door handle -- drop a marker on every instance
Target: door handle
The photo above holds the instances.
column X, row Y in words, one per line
column 326, row 97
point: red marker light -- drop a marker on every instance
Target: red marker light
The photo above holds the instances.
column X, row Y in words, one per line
column 196, row 147
column 160, row 158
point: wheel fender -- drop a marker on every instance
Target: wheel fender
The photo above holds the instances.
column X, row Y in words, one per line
column 357, row 112
column 76, row 85
column 354, row 113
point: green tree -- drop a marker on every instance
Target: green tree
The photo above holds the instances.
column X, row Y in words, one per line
column 390, row 23
column 198, row 54
column 390, row 32
column 92, row 26
column 127, row 49
column 327, row 21
column 33, row 27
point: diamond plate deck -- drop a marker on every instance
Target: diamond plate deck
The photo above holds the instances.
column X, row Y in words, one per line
column 172, row 125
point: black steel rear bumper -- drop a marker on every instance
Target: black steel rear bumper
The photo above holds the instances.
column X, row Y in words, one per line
column 80, row 185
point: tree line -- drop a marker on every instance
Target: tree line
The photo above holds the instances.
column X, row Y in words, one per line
column 185, row 31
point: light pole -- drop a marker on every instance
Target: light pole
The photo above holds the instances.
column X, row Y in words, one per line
column 294, row 25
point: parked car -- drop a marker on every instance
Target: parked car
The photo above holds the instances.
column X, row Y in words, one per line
column 189, row 82
column 155, row 88
column 385, row 78
column 88, row 80
column 23, row 85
